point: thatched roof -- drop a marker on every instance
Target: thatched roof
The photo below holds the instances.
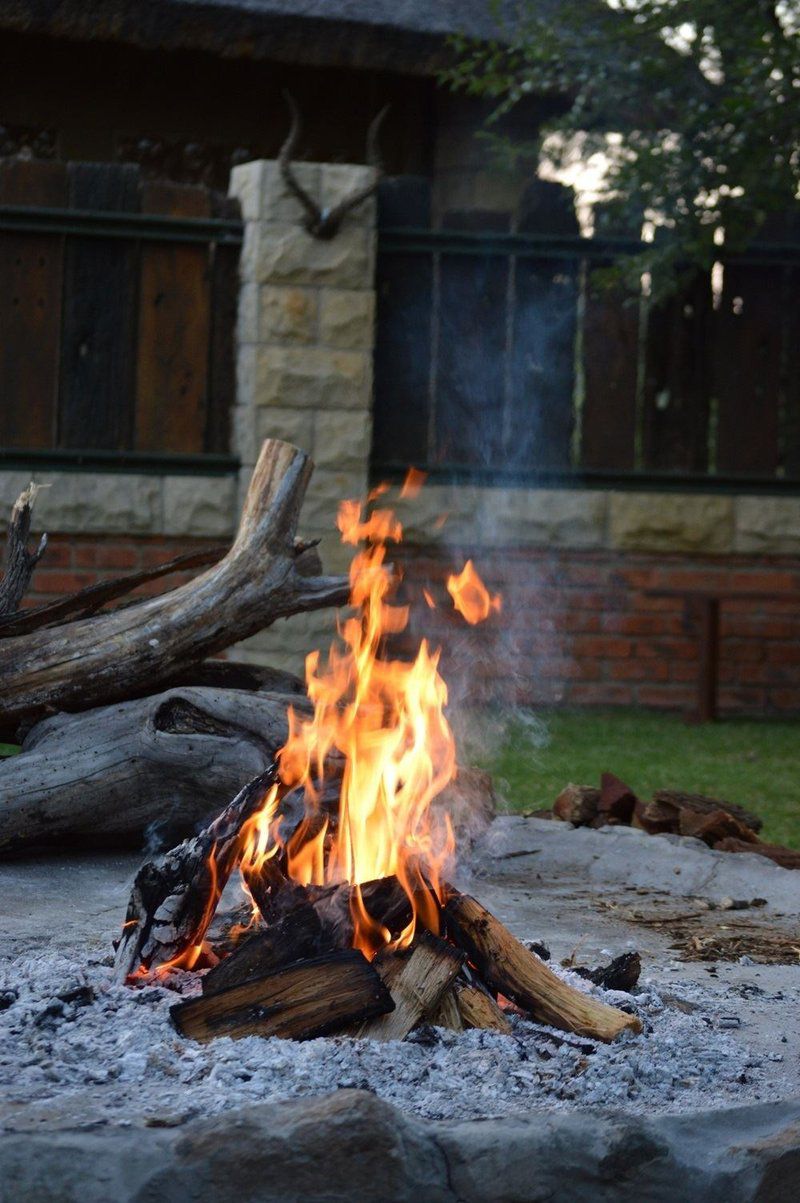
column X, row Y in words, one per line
column 404, row 35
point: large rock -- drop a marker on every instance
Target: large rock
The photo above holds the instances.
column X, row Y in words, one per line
column 351, row 1147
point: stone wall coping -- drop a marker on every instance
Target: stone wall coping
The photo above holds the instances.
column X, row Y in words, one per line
column 199, row 505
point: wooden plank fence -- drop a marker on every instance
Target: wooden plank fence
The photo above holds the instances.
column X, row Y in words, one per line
column 117, row 312
column 498, row 356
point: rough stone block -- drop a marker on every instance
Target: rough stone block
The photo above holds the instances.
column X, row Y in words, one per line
column 311, row 377
column 768, row 524
column 347, row 318
column 200, row 505
column 286, row 315
column 342, row 439
column 277, row 202
column 496, row 517
column 339, row 181
column 287, row 254
column 247, row 314
column 112, row 503
column 246, row 184
column 327, row 488
column 671, row 522
column 292, row 425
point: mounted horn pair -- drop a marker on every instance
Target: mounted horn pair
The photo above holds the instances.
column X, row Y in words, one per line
column 325, row 223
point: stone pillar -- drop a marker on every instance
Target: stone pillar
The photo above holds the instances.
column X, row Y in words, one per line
column 304, row 359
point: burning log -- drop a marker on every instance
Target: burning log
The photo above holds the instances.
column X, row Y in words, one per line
column 305, row 1000
column 173, row 898
column 109, row 656
column 508, row 967
column 112, row 774
column 416, row 989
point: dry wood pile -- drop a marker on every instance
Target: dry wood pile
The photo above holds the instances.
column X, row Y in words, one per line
column 124, row 721
column 722, row 825
column 297, row 974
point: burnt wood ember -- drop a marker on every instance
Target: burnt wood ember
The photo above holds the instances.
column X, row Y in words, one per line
column 174, row 897
column 416, row 989
column 509, row 968
column 266, row 575
column 620, row 974
column 304, row 1000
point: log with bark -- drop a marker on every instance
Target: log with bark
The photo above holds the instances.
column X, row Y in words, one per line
column 266, row 575
column 787, row 858
column 154, row 767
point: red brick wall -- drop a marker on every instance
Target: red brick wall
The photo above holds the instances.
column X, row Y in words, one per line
column 72, row 562
column 578, row 628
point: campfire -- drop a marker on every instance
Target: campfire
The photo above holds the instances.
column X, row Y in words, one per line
column 345, row 851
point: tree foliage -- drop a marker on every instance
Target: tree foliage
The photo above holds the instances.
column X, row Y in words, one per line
column 694, row 103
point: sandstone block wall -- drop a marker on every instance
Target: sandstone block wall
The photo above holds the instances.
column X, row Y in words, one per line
column 304, row 360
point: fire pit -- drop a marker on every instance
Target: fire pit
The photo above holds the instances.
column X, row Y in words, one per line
column 342, row 850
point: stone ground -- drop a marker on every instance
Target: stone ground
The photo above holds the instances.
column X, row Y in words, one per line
column 604, row 892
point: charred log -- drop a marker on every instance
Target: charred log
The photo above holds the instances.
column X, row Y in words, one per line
column 174, row 897
column 300, row 1002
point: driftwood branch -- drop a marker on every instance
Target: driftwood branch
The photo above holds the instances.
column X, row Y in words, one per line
column 89, row 600
column 155, row 767
column 108, row 657
column 20, row 561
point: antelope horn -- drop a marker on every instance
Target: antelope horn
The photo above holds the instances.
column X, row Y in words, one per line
column 334, row 216
column 285, row 164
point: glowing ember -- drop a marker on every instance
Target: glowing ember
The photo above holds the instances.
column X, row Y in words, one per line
column 471, row 597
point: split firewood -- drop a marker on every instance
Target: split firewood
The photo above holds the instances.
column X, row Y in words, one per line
column 109, row 656
column 304, row 1000
column 577, row 804
column 714, row 826
column 702, row 804
column 446, row 1013
column 416, row 990
column 617, row 800
column 478, row 1009
column 156, row 767
column 299, row 936
column 20, row 561
column 787, row 858
column 174, row 897
column 508, row 967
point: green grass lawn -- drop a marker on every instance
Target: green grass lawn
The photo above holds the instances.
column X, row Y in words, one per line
column 755, row 763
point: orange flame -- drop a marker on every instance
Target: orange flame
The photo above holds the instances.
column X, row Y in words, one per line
column 385, row 718
column 471, row 597
column 413, row 483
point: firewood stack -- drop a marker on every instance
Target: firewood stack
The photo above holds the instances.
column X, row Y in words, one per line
column 297, row 975
column 724, row 826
